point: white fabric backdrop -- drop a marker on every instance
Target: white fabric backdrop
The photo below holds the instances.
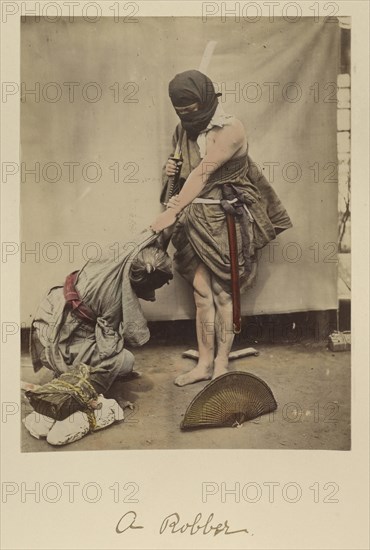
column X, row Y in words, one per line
column 277, row 77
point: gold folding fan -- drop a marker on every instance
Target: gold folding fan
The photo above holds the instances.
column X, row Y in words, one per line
column 229, row 400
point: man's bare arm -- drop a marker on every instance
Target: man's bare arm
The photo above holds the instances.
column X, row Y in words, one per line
column 222, row 144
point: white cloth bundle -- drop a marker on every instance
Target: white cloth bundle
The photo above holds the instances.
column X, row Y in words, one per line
column 74, row 427
column 38, row 425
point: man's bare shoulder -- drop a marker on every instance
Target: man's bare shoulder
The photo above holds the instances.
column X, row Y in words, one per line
column 232, row 132
column 233, row 127
column 236, row 123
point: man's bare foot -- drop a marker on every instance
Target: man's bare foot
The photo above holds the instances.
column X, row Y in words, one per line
column 197, row 374
column 221, row 367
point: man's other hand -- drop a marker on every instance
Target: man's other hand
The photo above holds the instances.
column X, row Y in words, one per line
column 171, row 167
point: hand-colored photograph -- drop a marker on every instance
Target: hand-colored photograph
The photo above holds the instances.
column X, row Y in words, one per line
column 185, row 234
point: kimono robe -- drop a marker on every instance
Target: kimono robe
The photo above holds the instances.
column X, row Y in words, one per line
column 62, row 338
column 200, row 234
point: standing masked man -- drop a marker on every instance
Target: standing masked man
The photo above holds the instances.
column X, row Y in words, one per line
column 219, row 183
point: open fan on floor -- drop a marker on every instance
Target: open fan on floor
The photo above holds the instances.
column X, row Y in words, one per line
column 229, row 400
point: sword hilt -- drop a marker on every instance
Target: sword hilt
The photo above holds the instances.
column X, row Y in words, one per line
column 173, row 183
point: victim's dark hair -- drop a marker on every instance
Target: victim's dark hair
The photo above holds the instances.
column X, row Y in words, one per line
column 152, row 268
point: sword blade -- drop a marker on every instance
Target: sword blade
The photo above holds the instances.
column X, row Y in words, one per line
column 207, row 55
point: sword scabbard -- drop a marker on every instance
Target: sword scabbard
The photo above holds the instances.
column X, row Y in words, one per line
column 234, row 265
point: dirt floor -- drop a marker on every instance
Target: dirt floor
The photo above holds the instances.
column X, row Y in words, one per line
column 310, row 383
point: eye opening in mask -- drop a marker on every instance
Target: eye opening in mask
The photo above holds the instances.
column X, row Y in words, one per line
column 188, row 109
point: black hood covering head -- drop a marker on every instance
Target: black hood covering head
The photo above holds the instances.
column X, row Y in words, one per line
column 191, row 87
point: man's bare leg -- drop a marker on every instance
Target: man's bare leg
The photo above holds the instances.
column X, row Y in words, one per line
column 205, row 327
column 224, row 328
